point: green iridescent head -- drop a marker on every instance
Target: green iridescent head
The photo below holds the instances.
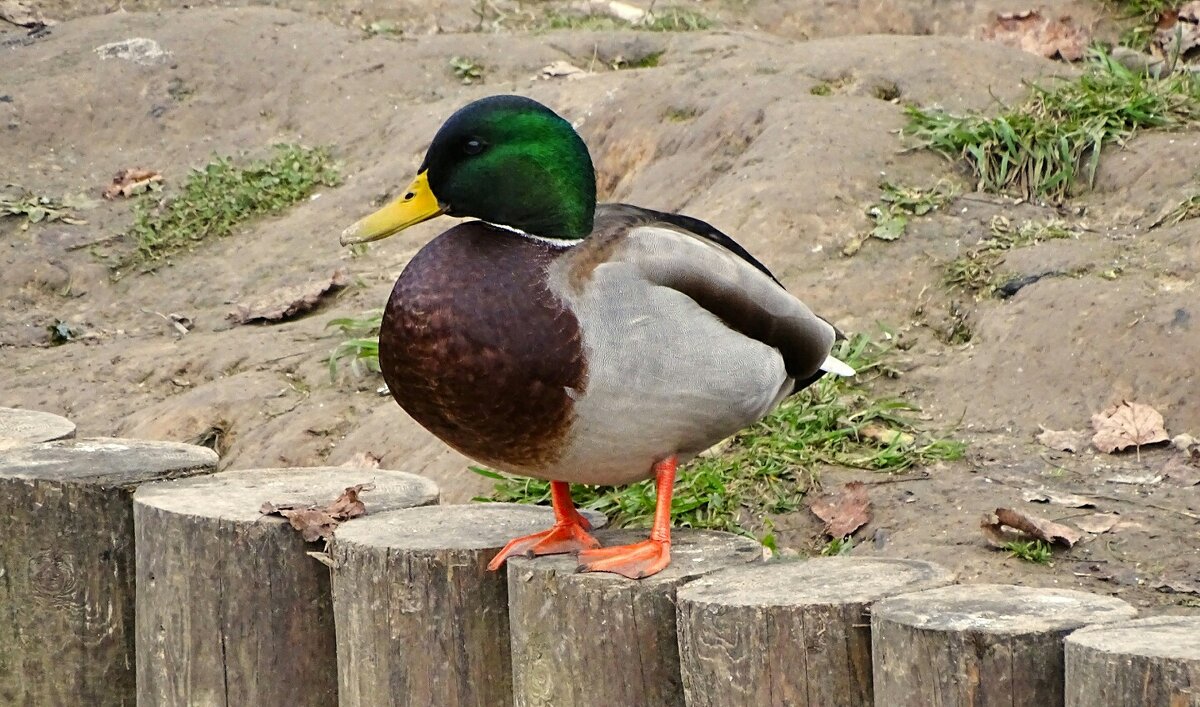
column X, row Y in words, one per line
column 507, row 160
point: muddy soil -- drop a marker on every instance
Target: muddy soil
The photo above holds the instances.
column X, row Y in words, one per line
column 725, row 128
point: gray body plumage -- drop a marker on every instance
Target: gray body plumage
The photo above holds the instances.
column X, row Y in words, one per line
column 686, row 343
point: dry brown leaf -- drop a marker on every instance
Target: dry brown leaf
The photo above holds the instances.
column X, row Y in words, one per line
column 1031, row 32
column 289, row 302
column 1127, row 425
column 1061, row 440
column 1030, row 527
column 1182, row 471
column 1098, row 522
column 129, row 182
column 885, row 435
column 348, row 505
column 1176, row 35
column 315, row 522
column 845, row 511
column 562, row 70
column 363, row 460
column 1063, row 499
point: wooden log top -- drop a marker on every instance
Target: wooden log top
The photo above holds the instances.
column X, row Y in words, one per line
column 104, row 461
column 1001, row 609
column 1172, row 637
column 470, row 526
column 22, row 427
column 693, row 553
column 821, row 580
column 239, row 495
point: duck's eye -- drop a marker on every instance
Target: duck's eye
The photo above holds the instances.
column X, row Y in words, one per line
column 473, row 146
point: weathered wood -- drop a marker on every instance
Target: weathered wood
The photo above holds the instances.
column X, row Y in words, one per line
column 231, row 609
column 1152, row 662
column 584, row 639
column 789, row 633
column 420, row 620
column 20, row 427
column 67, row 565
column 980, row 645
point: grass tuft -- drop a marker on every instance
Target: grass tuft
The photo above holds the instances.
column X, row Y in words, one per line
column 1036, row 551
column 975, row 272
column 360, row 352
column 222, row 195
column 768, row 468
column 1040, row 147
column 667, row 19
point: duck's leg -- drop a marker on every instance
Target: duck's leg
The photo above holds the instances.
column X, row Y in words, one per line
column 649, row 556
column 569, row 533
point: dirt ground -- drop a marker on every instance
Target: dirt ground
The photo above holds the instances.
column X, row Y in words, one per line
column 724, row 128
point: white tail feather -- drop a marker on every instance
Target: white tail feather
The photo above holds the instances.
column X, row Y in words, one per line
column 832, row 365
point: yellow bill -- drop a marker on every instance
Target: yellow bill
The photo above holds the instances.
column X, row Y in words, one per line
column 416, row 205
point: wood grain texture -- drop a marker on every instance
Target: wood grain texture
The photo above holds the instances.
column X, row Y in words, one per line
column 67, row 563
column 1152, row 662
column 601, row 639
column 793, row 634
column 420, row 620
column 231, row 610
column 20, row 427
column 980, row 645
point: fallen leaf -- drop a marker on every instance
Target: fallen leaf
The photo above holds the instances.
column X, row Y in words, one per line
column 132, row 181
column 363, row 460
column 1031, row 32
column 289, row 302
column 994, row 525
column 1098, row 522
column 315, row 522
column 845, row 511
column 1176, row 36
column 1127, row 425
column 1187, row 444
column 885, row 435
column 1061, row 440
column 562, row 70
column 21, row 14
column 1062, row 499
column 348, row 505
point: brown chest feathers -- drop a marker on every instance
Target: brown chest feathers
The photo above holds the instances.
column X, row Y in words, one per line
column 479, row 352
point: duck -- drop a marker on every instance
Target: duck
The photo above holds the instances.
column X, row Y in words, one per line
column 552, row 337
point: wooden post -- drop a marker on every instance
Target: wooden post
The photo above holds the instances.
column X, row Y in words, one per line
column 21, row 427
column 584, row 639
column 980, row 644
column 67, row 565
column 231, row 609
column 420, row 619
column 1152, row 662
column 789, row 633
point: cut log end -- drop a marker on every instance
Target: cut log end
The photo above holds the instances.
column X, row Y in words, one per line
column 557, row 615
column 420, row 619
column 21, row 427
column 742, row 632
column 239, row 495
column 1152, row 661
column 977, row 644
column 105, row 462
column 224, row 590
column 68, row 562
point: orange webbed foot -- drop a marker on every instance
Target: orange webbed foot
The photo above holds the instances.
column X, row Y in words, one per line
column 564, row 537
column 634, row 561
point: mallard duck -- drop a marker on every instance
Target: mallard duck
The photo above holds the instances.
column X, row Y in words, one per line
column 561, row 339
